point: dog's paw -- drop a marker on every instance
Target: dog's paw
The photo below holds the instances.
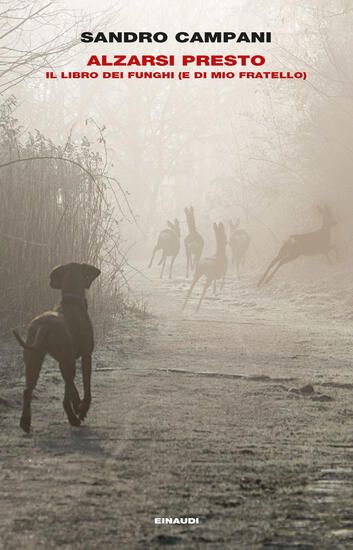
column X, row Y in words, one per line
column 74, row 421
column 84, row 407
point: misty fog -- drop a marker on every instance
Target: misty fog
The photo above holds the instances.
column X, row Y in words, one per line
column 266, row 151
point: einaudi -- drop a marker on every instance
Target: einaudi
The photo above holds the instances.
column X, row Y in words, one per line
column 179, row 37
column 178, row 521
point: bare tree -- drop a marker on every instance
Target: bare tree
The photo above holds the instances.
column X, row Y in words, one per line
column 35, row 35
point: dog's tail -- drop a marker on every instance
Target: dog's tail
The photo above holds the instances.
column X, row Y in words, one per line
column 21, row 342
column 38, row 342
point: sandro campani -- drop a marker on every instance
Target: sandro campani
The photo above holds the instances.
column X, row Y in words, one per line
column 183, row 37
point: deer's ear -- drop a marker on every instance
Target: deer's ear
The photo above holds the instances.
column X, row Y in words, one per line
column 57, row 275
column 90, row 273
column 169, row 223
column 176, row 222
column 215, row 227
column 221, row 228
column 237, row 222
column 186, row 210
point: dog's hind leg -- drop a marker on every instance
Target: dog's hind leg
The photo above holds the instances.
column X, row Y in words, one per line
column 75, row 399
column 33, row 363
column 86, row 377
column 68, row 372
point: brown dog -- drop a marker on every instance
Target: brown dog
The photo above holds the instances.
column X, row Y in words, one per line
column 65, row 333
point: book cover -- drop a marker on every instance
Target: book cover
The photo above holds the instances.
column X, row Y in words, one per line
column 176, row 274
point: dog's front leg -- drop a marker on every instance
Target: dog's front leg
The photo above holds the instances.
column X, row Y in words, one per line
column 86, row 377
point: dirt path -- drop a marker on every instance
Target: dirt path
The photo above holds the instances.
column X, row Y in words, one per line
column 192, row 417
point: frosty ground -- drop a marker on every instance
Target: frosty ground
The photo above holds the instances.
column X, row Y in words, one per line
column 192, row 416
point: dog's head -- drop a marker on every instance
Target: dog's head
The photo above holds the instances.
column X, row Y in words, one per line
column 73, row 277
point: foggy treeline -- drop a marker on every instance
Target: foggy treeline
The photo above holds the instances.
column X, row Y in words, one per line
column 268, row 151
column 265, row 151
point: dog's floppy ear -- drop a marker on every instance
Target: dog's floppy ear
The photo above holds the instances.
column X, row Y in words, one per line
column 90, row 273
column 57, row 275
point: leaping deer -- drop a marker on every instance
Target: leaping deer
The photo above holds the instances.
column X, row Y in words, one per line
column 213, row 268
column 169, row 243
column 193, row 242
column 239, row 241
column 304, row 244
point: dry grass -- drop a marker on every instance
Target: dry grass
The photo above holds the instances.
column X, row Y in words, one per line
column 54, row 209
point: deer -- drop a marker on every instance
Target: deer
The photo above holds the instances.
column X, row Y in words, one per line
column 214, row 268
column 169, row 242
column 239, row 241
column 193, row 242
column 304, row 244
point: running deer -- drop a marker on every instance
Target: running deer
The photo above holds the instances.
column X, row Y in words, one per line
column 239, row 241
column 213, row 268
column 193, row 242
column 304, row 244
column 169, row 243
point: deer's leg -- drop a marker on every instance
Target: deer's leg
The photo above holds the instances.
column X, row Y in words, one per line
column 33, row 363
column 153, row 255
column 238, row 267
column 223, row 281
column 232, row 257
column 280, row 263
column 214, row 286
column 335, row 250
column 163, row 262
column 171, row 266
column 196, row 278
column 207, row 284
column 262, row 280
column 187, row 261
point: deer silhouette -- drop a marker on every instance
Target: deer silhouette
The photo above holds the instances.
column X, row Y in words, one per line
column 193, row 242
column 304, row 244
column 212, row 268
column 169, row 242
column 239, row 241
